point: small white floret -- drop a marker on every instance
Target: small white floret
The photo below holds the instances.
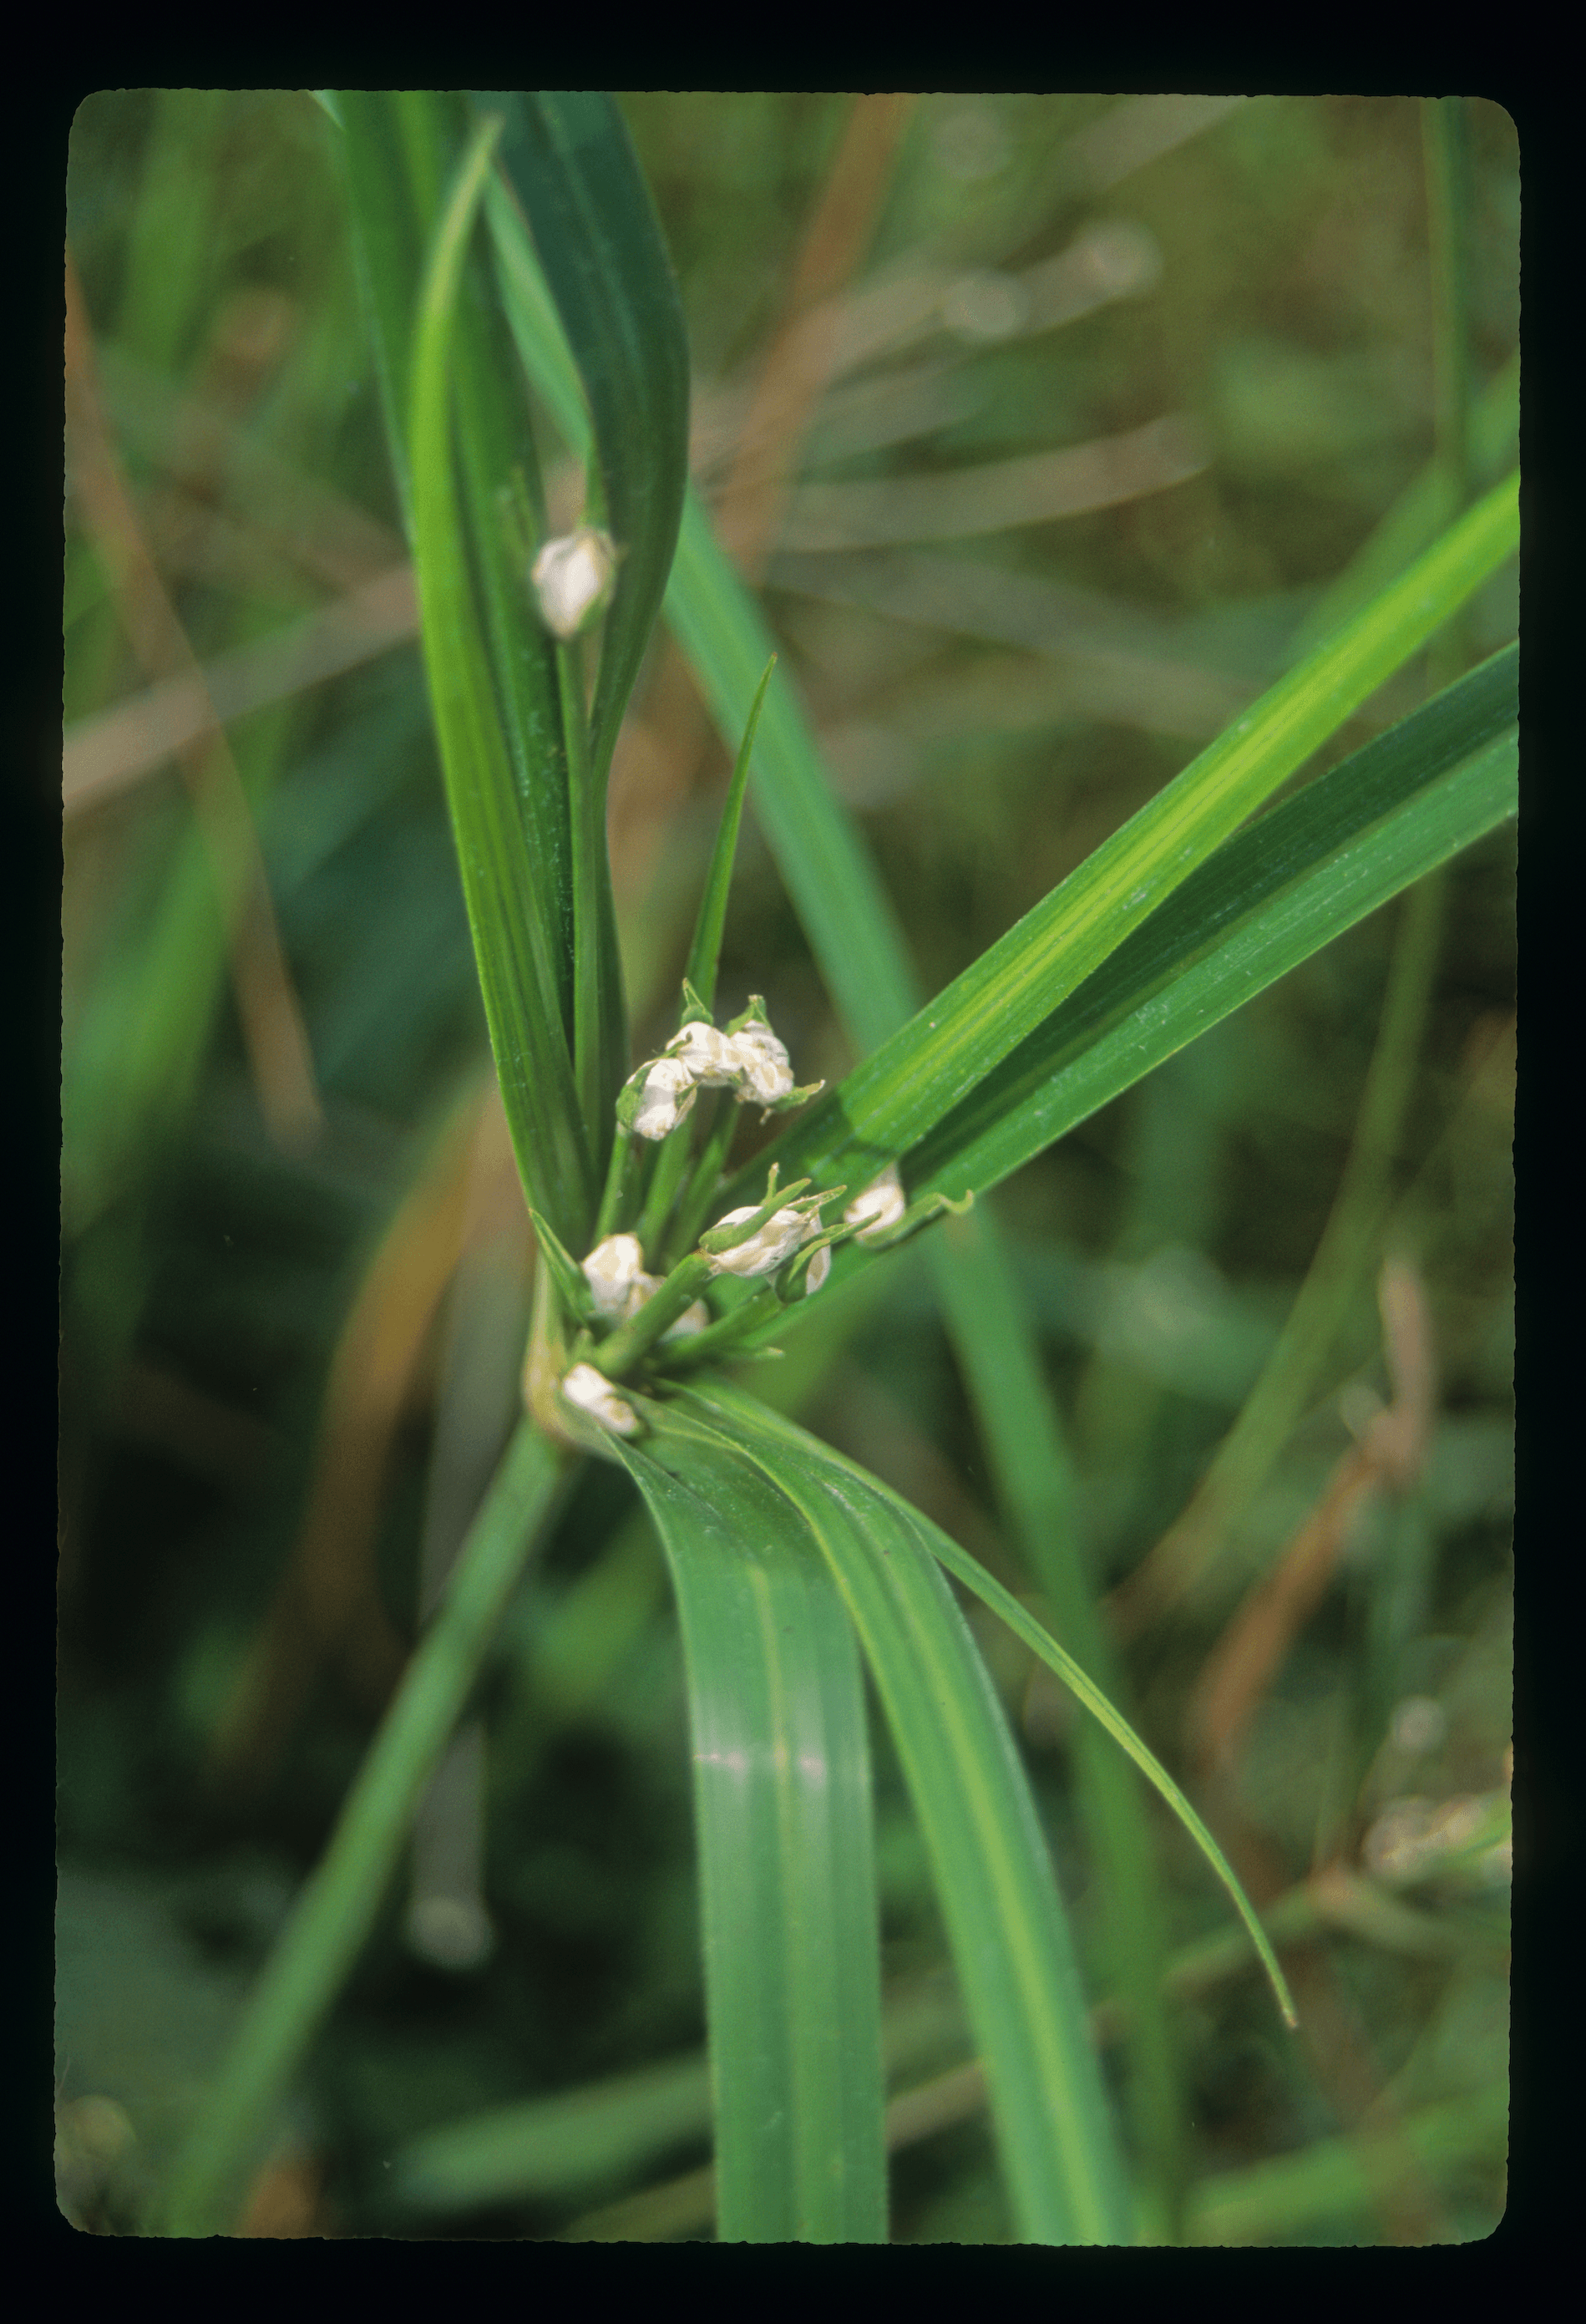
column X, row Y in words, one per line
column 613, row 1271
column 763, row 1064
column 707, row 1054
column 816, row 1272
column 593, row 1394
column 572, row 578
column 668, row 1094
column 767, row 1249
column 878, row 1208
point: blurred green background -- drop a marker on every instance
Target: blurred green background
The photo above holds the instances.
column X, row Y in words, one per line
column 1051, row 427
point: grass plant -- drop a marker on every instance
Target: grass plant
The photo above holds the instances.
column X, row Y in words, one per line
column 938, row 1867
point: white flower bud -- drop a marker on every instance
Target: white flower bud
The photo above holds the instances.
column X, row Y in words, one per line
column 573, row 578
column 613, row 1271
column 668, row 1094
column 816, row 1272
column 708, row 1055
column 878, row 1208
column 593, row 1394
column 767, row 1249
column 764, row 1063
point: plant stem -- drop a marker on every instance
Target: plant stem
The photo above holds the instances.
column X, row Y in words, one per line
column 621, row 1185
column 337, row 1909
column 722, row 1339
column 630, row 1341
column 666, row 1178
column 698, row 1197
column 587, row 838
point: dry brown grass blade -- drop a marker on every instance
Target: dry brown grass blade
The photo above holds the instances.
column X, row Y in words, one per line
column 200, row 442
column 326, row 1604
column 799, row 361
column 659, row 761
column 286, row 2201
column 1253, row 1648
column 997, row 495
column 273, row 1027
column 105, row 753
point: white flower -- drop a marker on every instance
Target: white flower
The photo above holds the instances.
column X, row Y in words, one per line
column 593, row 1394
column 753, row 1061
column 766, row 1250
column 572, row 578
column 878, row 1208
column 666, row 1095
column 709, row 1055
column 764, row 1063
column 613, row 1271
column 816, row 1272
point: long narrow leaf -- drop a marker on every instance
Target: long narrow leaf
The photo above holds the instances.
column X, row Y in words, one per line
column 890, row 1101
column 987, row 1313
column 1317, row 864
column 572, row 166
column 993, row 1875
column 518, row 984
column 787, row 1875
column 400, row 152
column 704, row 951
column 1313, row 867
column 755, row 1422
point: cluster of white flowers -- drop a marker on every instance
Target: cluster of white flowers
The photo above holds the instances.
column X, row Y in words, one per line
column 751, row 1062
column 748, row 1059
column 614, row 1272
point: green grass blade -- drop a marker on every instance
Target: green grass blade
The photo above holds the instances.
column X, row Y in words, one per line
column 520, row 986
column 389, row 241
column 557, row 2145
column 1037, row 1497
column 334, row 1911
column 890, row 1101
column 572, row 166
column 993, row 1875
column 399, row 152
column 786, row 1876
column 829, row 871
column 1319, row 863
column 705, row 950
column 733, row 1404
